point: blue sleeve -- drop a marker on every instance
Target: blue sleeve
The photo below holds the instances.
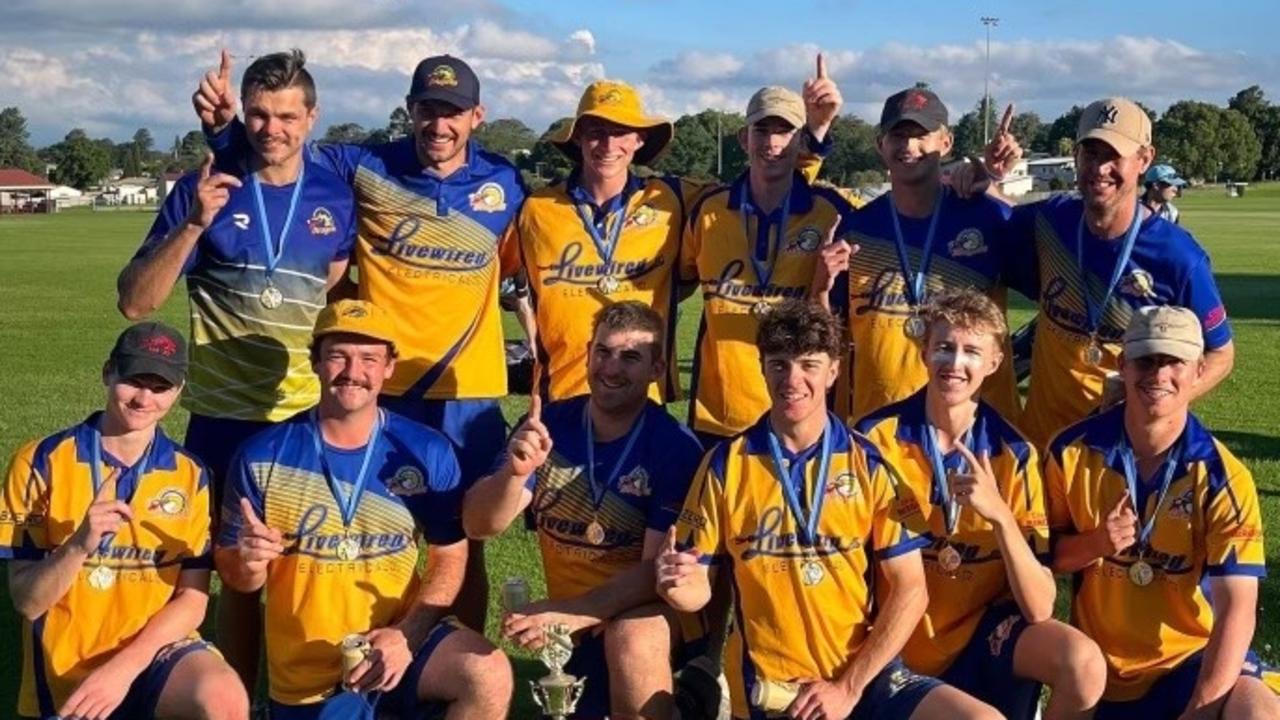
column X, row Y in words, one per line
column 338, row 158
column 239, row 483
column 439, row 510
column 821, row 148
column 230, row 147
column 172, row 214
column 1200, row 294
column 348, row 243
column 672, row 485
column 1021, row 265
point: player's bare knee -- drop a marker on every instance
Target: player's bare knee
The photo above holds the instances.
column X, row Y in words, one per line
column 219, row 695
column 1080, row 670
column 638, row 636
column 482, row 671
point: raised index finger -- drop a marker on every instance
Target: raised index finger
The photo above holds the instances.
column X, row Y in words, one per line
column 671, row 539
column 822, row 66
column 251, row 517
column 206, row 167
column 1006, row 120
column 224, row 67
column 535, row 408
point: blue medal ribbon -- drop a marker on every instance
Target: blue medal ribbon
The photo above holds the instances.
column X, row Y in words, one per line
column 942, row 488
column 275, row 251
column 1093, row 313
column 913, row 281
column 598, row 491
column 1167, row 469
column 764, row 270
column 605, row 245
column 95, row 461
column 348, row 505
column 807, row 526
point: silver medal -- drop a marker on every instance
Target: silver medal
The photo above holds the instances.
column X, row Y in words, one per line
column 949, row 559
column 348, row 549
column 1141, row 574
column 760, row 309
column 1093, row 354
column 102, row 578
column 812, row 572
column 914, row 327
column 595, row 533
column 608, row 284
column 271, row 297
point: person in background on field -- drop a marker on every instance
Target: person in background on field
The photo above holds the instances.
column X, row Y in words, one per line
column 1163, row 185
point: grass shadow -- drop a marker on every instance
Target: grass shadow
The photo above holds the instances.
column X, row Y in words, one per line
column 1250, row 297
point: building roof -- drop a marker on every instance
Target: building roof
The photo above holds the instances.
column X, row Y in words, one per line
column 15, row 179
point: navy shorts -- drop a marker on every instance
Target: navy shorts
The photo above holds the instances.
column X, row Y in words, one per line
column 399, row 702
column 894, row 693
column 476, row 428
column 144, row 693
column 984, row 668
column 1169, row 695
column 215, row 441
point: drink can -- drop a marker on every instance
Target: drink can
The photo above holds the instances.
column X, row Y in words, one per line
column 355, row 647
column 515, row 594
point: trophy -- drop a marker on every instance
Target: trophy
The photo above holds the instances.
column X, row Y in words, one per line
column 557, row 693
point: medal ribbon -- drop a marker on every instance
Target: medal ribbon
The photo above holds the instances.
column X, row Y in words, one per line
column 1130, row 463
column 275, row 251
column 598, row 491
column 1093, row 313
column 95, row 473
column 605, row 245
column 764, row 270
column 941, row 488
column 913, row 283
column 807, row 526
column 348, row 505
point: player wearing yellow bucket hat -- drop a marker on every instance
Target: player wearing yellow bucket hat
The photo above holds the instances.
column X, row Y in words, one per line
column 606, row 234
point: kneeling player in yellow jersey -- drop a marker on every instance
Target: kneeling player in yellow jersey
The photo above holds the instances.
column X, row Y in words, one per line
column 1161, row 525
column 110, row 568
column 604, row 475
column 326, row 511
column 794, row 510
column 988, row 630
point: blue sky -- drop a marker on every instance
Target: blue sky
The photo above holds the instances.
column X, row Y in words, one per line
column 113, row 67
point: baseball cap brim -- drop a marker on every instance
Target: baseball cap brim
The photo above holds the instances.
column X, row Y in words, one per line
column 444, row 95
column 795, row 121
column 129, row 366
column 1123, row 145
column 1181, row 349
column 928, row 122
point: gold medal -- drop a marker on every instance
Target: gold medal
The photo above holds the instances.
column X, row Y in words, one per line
column 595, row 533
column 1093, row 354
column 914, row 327
column 812, row 572
column 608, row 284
column 949, row 559
column 348, row 549
column 271, row 297
column 760, row 309
column 102, row 578
column 1141, row 574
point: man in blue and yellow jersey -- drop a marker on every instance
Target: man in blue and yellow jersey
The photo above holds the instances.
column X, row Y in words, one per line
column 604, row 475
column 259, row 255
column 1092, row 260
column 431, row 208
column 607, row 234
column 914, row 240
column 1161, row 526
column 795, row 510
column 988, row 630
column 325, row 512
column 750, row 245
column 106, row 529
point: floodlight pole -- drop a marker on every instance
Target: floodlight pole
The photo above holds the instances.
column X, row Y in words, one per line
column 986, row 78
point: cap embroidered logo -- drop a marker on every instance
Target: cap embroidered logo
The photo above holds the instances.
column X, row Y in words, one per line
column 158, row 345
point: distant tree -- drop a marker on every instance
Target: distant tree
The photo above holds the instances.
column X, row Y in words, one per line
column 853, row 152
column 1239, row 148
column 545, row 160
column 399, row 124
column 128, row 159
column 968, row 130
column 143, row 141
column 192, row 150
column 349, row 132
column 692, row 152
column 505, row 136
column 377, row 136
column 81, row 162
column 1264, row 118
column 15, row 148
column 1028, row 129
column 1206, row 141
column 1063, row 128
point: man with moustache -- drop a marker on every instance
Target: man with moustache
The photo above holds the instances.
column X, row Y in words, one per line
column 915, row 240
column 603, row 476
column 259, row 256
column 325, row 513
column 431, row 209
column 1161, row 526
column 608, row 234
column 1092, row 260
column 750, row 245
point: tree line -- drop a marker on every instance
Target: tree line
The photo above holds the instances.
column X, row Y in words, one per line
column 1205, row 142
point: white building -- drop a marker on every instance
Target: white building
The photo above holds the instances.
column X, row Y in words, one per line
column 1045, row 170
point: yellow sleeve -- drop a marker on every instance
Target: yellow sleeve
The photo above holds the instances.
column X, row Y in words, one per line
column 24, row 506
column 1055, row 483
column 809, row 164
column 690, row 246
column 898, row 525
column 1233, row 536
column 1027, row 501
column 509, row 260
column 691, row 192
column 700, row 525
column 200, row 538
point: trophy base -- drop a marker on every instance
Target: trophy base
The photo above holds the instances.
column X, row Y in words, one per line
column 557, row 694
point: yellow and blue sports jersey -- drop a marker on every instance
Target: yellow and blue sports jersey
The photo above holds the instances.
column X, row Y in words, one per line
column 313, row 596
column 48, row 489
column 746, row 261
column 248, row 361
column 580, row 257
column 1166, row 267
column 427, row 252
column 957, row 600
column 968, row 250
column 1208, row 524
column 800, row 612
column 641, row 484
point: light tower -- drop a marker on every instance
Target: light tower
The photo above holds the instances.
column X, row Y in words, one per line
column 988, row 21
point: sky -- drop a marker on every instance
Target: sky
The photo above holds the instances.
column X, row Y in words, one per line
column 113, row 67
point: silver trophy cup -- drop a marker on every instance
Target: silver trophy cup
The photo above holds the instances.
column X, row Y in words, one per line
column 557, row 693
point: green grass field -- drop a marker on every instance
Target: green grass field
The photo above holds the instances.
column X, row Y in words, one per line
column 57, row 288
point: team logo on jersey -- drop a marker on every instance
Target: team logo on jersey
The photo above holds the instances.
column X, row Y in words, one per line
column 489, row 198
column 807, row 240
column 635, row 483
column 321, row 222
column 845, row 485
column 999, row 636
column 442, row 76
column 240, row 220
column 170, row 501
column 643, row 216
column 407, row 480
column 1139, row 283
column 1182, row 506
column 968, row 243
